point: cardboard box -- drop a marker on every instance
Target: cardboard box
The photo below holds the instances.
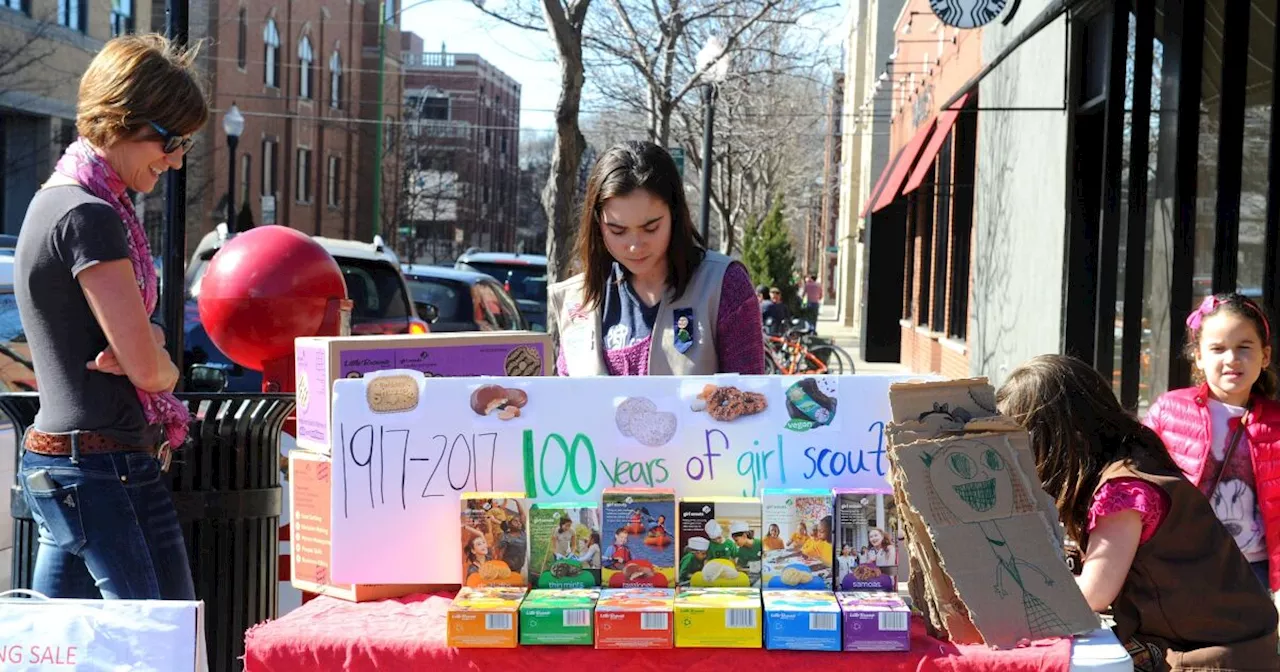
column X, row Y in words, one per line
column 801, row 620
column 321, row 360
column 484, row 618
column 558, row 616
column 310, row 495
column 803, row 520
column 868, row 549
column 875, row 622
column 495, row 545
column 564, row 545
column 712, row 553
column 635, row 618
column 721, row 618
column 638, row 527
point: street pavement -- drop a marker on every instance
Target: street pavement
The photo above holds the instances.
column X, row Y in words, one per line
column 847, row 338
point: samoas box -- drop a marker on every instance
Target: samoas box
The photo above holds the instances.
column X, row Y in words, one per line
column 558, row 616
column 635, row 618
column 721, row 618
column 564, row 545
column 866, row 545
column 494, row 543
column 875, row 622
column 484, row 618
column 639, row 526
column 720, row 542
column 797, row 552
column 801, row 620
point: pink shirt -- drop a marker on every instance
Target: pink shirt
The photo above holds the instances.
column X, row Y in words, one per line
column 1124, row 494
column 812, row 291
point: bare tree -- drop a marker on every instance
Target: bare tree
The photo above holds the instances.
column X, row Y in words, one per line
column 564, row 21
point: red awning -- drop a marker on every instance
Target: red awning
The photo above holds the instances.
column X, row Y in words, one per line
column 875, row 191
column 945, row 121
column 906, row 159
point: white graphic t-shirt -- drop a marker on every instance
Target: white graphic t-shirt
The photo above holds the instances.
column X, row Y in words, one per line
column 1235, row 499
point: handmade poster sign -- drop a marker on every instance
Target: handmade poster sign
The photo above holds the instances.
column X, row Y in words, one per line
column 986, row 518
column 405, row 447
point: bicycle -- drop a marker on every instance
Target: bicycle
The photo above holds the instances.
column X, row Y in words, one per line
column 796, row 353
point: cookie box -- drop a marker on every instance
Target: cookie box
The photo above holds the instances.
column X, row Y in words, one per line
column 639, row 527
column 318, row 361
column 484, row 618
column 720, row 542
column 798, row 533
column 725, row 618
column 558, row 616
column 495, row 545
column 565, row 546
column 867, row 549
column 874, row 621
column 801, row 620
column 635, row 618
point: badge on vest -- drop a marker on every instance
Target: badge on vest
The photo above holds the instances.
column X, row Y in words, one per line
column 683, row 337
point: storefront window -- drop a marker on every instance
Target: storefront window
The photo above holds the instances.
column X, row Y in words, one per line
column 1254, row 188
column 1123, row 214
column 1157, row 350
column 1207, row 155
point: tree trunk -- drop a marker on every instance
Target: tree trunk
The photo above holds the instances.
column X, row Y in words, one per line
column 562, row 185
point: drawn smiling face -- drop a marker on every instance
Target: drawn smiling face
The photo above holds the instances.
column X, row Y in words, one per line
column 972, row 480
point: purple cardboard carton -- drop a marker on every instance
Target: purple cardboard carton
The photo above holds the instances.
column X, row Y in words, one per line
column 875, row 622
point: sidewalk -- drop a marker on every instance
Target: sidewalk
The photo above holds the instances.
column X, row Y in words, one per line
column 848, row 339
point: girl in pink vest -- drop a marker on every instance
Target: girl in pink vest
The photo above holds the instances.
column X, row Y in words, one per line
column 1224, row 433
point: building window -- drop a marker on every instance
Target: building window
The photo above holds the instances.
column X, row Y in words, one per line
column 334, row 180
column 305, row 58
column 23, row 6
column 503, row 143
column 246, row 165
column 435, row 108
column 71, row 13
column 121, row 17
column 488, row 137
column 335, row 80
column 389, row 11
column 302, row 186
column 242, row 45
column 271, row 61
column 269, row 167
column 389, row 133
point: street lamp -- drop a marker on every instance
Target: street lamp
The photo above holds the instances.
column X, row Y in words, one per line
column 714, row 67
column 233, row 125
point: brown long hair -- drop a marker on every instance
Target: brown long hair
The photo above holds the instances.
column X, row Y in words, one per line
column 622, row 169
column 137, row 79
column 1077, row 428
column 1247, row 309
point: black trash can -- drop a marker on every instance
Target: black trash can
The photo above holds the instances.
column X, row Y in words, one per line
column 226, row 488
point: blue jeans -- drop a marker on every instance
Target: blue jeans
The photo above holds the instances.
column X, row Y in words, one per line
column 107, row 529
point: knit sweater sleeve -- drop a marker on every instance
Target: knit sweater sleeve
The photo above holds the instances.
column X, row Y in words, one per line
column 739, row 339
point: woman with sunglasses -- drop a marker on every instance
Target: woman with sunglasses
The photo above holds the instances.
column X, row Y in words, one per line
column 85, row 286
column 652, row 299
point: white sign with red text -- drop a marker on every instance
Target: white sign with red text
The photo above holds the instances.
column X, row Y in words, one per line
column 137, row 635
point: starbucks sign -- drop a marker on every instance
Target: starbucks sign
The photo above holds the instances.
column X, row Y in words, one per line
column 969, row 13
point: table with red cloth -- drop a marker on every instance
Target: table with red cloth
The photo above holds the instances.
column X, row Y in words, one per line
column 409, row 634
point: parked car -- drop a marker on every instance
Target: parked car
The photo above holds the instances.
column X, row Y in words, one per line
column 462, row 300
column 381, row 299
column 16, row 372
column 524, row 276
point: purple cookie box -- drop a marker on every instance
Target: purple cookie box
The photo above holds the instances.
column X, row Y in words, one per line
column 875, row 622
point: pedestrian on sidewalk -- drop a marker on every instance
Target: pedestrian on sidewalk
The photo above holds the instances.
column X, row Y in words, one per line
column 652, row 300
column 812, row 295
column 85, row 284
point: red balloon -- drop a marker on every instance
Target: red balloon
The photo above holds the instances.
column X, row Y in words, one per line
column 264, row 288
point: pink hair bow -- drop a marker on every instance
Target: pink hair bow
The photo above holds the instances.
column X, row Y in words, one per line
column 1207, row 306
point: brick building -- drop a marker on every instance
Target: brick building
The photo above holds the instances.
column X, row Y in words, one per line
column 305, row 77
column 461, row 152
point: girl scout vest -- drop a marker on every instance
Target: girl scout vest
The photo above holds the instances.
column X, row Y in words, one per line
column 579, row 327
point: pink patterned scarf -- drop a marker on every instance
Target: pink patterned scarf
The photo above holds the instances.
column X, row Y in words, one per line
column 81, row 163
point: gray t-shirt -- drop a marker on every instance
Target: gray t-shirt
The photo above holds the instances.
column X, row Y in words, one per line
column 67, row 230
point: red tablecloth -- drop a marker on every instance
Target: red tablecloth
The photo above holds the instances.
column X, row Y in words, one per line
column 408, row 634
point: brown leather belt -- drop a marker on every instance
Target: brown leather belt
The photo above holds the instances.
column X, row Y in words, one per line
column 91, row 443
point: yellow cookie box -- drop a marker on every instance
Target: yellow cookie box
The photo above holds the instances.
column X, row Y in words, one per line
column 725, row 618
column 484, row 618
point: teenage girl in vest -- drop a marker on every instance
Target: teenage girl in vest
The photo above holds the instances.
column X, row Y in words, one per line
column 652, row 299
column 1182, row 594
column 1224, row 433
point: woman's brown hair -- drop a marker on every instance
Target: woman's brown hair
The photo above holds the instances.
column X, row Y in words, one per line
column 1245, row 308
column 622, row 169
column 135, row 80
column 1077, row 429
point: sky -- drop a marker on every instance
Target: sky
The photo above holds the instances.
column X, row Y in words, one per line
column 527, row 56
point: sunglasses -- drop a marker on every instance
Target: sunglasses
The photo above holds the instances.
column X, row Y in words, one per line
column 172, row 141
